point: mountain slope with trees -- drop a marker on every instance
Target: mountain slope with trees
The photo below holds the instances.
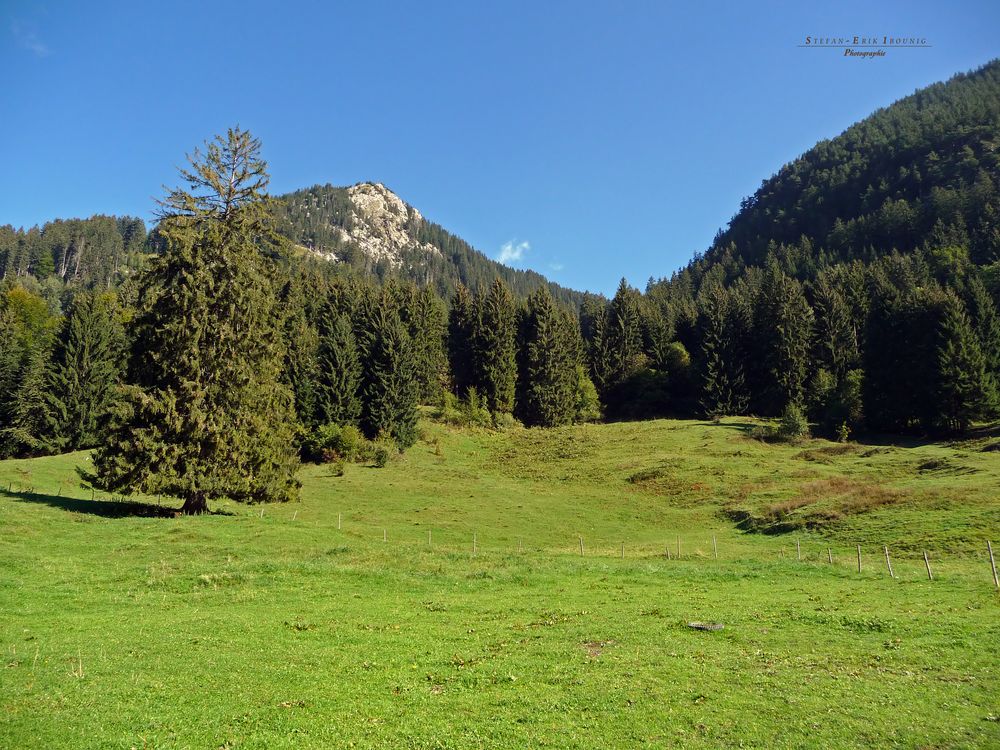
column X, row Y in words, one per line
column 368, row 227
column 860, row 283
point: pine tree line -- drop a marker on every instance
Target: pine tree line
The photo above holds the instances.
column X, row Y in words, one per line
column 885, row 346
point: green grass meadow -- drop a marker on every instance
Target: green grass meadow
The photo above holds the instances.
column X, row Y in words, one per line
column 243, row 629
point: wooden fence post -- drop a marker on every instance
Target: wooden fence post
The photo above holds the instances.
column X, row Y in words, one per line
column 798, row 550
column 993, row 565
column 338, row 521
column 859, row 558
column 829, row 555
column 623, row 550
column 927, row 564
column 715, row 547
column 887, row 563
column 475, row 544
column 581, row 546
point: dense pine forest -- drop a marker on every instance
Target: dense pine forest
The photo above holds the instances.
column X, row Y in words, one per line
column 856, row 291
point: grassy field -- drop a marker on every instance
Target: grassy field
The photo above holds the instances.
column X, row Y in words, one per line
column 121, row 629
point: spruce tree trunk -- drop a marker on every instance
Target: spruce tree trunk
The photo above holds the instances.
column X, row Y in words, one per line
column 195, row 504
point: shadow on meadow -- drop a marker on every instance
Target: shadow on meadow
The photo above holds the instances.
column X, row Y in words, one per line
column 105, row 508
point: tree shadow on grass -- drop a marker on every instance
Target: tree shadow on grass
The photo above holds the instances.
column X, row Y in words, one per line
column 106, row 508
column 741, row 426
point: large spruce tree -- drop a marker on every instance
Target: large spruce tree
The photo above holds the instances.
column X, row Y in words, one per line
column 427, row 321
column 549, row 357
column 206, row 414
column 966, row 391
column 496, row 348
column 389, row 390
column 84, row 372
column 461, row 338
column 622, row 336
column 723, row 378
column 338, row 398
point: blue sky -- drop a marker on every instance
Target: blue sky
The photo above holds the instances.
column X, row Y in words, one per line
column 585, row 140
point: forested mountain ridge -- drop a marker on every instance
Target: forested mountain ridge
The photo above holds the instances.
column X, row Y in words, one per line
column 368, row 227
column 365, row 228
column 924, row 169
column 859, row 285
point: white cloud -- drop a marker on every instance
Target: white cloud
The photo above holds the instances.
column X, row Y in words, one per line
column 513, row 251
column 29, row 39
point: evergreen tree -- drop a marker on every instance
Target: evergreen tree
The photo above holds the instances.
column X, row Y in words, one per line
column 623, row 335
column 836, row 338
column 339, row 372
column 84, row 372
column 26, row 334
column 723, row 384
column 206, row 415
column 548, row 375
column 784, row 327
column 10, row 363
column 597, row 344
column 965, row 390
column 301, row 366
column 496, row 349
column 461, row 337
column 389, row 406
column 25, row 420
column 428, row 329
column 986, row 324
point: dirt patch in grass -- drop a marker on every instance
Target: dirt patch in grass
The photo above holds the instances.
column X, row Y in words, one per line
column 664, row 480
column 944, row 467
column 815, row 505
column 826, row 454
column 595, row 648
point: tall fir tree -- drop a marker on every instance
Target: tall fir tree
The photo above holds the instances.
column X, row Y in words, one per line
column 206, row 415
column 723, row 379
column 986, row 323
column 836, row 338
column 389, row 404
column 496, row 348
column 27, row 332
column 84, row 372
column 785, row 326
column 301, row 353
column 550, row 354
column 966, row 391
column 25, row 420
column 461, row 339
column 623, row 336
column 428, row 329
column 338, row 383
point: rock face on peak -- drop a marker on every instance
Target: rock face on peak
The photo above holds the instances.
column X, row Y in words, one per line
column 369, row 227
column 382, row 225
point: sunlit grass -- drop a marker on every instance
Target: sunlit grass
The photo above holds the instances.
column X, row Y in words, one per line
column 281, row 630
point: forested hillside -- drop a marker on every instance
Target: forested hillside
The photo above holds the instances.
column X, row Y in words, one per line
column 859, row 284
column 98, row 251
column 920, row 172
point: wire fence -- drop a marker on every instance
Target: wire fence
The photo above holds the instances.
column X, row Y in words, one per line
column 677, row 547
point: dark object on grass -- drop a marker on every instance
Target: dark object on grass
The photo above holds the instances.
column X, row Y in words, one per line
column 706, row 625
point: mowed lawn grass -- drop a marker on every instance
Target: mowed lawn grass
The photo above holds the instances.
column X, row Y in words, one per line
column 250, row 631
